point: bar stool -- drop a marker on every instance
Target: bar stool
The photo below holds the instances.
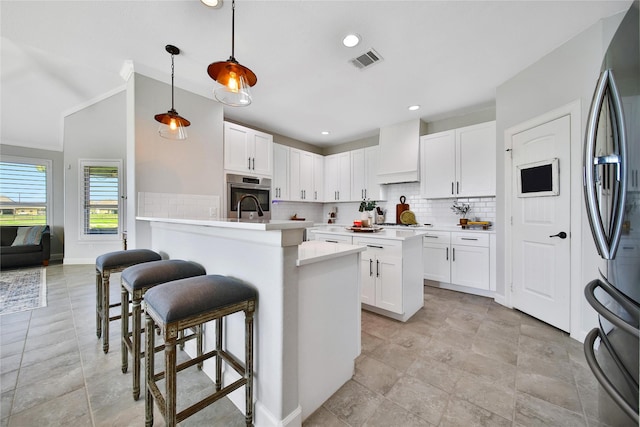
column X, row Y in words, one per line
column 181, row 304
column 106, row 265
column 135, row 281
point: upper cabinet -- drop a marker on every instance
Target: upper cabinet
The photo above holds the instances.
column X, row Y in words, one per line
column 459, row 163
column 301, row 175
column 318, row 178
column 247, row 151
column 364, row 174
column 337, row 187
column 399, row 147
column 280, row 181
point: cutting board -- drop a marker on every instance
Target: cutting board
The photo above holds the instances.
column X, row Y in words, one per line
column 401, row 207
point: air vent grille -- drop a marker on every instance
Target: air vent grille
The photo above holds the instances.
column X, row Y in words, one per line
column 367, row 59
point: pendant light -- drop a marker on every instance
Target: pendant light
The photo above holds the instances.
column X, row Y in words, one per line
column 172, row 126
column 235, row 79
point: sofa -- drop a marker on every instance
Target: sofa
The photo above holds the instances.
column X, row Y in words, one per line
column 33, row 247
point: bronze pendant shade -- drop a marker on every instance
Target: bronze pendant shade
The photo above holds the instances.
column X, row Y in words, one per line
column 235, row 78
column 172, row 126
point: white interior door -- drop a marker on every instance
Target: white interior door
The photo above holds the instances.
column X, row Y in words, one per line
column 541, row 269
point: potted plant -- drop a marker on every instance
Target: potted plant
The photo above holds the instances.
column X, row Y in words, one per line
column 461, row 209
column 366, row 206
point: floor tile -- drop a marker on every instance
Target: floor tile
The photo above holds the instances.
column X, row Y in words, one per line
column 424, row 400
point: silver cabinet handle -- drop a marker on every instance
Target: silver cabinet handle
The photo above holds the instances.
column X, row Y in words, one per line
column 431, row 237
column 375, row 246
column 249, row 163
column 453, row 254
column 468, row 238
column 377, row 268
column 370, row 267
column 452, row 188
column 315, row 195
column 331, row 241
column 457, row 187
column 447, row 257
column 607, row 245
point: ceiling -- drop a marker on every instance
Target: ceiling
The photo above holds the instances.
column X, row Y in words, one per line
column 447, row 56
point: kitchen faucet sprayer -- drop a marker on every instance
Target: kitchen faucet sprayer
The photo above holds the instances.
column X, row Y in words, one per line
column 255, row 199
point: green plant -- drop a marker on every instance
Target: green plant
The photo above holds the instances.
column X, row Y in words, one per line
column 367, row 205
column 461, row 209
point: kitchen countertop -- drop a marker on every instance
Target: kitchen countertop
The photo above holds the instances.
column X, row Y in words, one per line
column 422, row 228
column 386, row 233
column 316, row 251
column 258, row 225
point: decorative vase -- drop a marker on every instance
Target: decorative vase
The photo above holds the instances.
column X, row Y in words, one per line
column 463, row 221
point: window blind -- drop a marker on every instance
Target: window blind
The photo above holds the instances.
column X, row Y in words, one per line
column 101, row 199
column 23, row 193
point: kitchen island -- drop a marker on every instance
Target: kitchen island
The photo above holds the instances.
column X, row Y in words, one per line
column 307, row 324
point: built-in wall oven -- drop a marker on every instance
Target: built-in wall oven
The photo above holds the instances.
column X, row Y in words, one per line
column 257, row 189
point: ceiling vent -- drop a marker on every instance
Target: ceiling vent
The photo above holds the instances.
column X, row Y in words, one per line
column 367, row 59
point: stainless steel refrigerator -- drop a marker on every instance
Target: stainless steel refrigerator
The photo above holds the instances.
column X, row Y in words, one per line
column 612, row 197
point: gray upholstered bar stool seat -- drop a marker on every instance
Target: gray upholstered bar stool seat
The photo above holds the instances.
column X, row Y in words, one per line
column 106, row 265
column 135, row 281
column 186, row 303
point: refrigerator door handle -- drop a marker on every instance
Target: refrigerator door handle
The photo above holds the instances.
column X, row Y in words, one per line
column 589, row 293
column 607, row 244
column 601, row 376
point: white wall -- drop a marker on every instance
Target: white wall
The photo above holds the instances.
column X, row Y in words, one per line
column 95, row 132
column 565, row 75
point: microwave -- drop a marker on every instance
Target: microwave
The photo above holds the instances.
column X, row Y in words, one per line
column 239, row 186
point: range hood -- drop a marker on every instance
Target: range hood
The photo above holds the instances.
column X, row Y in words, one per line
column 400, row 149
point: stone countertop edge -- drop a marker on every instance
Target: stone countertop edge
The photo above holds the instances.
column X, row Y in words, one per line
column 423, row 228
column 316, row 251
column 390, row 233
column 269, row 225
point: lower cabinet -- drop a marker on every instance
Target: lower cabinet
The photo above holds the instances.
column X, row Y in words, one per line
column 458, row 258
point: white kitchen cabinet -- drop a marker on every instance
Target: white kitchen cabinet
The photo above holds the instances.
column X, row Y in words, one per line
column 280, row 181
column 458, row 258
column 247, row 151
column 436, row 254
column 337, row 177
column 333, row 238
column 459, row 162
column 301, row 175
column 364, row 174
column 399, row 147
column 318, row 178
column 381, row 273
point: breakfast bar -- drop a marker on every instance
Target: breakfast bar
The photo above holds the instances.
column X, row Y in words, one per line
column 307, row 325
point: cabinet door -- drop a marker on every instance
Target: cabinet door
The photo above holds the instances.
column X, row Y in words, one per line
column 262, row 152
column 436, row 262
column 331, row 178
column 470, row 266
column 389, row 283
column 332, row 238
column 236, row 143
column 295, row 163
column 476, row 160
column 368, row 274
column 358, row 176
column 280, row 182
column 344, row 177
column 318, row 178
column 373, row 190
column 438, row 165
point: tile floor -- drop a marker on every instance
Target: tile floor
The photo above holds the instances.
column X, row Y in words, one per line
column 463, row 360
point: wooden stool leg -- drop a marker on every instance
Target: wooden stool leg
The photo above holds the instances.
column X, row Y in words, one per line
column 98, row 304
column 199, row 344
column 124, row 329
column 170, row 381
column 149, row 370
column 248, row 367
column 135, row 346
column 218, row 357
column 105, row 311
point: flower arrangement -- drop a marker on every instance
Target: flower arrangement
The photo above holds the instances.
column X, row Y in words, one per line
column 460, row 209
column 367, row 205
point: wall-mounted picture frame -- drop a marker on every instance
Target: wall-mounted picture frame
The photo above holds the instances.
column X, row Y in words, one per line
column 538, row 179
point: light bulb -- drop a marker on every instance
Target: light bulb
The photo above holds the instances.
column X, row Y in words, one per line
column 173, row 125
column 233, row 82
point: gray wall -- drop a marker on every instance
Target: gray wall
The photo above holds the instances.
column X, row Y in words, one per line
column 192, row 166
column 565, row 75
column 97, row 132
column 56, row 217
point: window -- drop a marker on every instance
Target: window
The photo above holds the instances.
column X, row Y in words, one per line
column 25, row 191
column 100, row 200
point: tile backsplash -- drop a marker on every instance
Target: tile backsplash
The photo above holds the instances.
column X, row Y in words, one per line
column 432, row 211
column 184, row 206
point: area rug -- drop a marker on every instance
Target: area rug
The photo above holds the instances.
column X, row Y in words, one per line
column 22, row 289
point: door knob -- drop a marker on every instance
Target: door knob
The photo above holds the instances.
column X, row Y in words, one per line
column 561, row 235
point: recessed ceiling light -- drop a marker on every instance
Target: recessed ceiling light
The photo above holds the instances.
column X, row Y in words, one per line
column 216, row 4
column 414, row 107
column 351, row 40
column 325, row 132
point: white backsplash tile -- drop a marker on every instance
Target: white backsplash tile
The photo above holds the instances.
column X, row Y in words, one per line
column 185, row 206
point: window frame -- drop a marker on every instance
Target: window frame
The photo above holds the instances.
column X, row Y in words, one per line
column 82, row 163
column 35, row 161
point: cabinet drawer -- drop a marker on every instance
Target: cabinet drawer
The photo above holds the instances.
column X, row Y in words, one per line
column 440, row 237
column 470, row 239
column 332, row 238
column 382, row 246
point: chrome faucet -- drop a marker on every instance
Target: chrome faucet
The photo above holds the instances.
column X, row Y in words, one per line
column 255, row 199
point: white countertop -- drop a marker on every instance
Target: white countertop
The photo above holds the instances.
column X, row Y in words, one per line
column 422, row 228
column 315, row 251
column 385, row 233
column 257, row 225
